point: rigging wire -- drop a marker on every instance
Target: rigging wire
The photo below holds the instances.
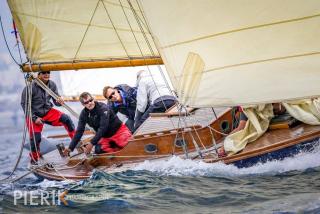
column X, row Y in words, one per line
column 142, row 31
column 147, row 40
column 85, row 33
column 21, row 149
column 5, row 40
column 114, row 27
column 17, row 39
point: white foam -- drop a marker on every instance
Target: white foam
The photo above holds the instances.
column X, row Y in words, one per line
column 176, row 166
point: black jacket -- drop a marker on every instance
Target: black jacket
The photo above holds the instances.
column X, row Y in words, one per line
column 40, row 101
column 130, row 97
column 101, row 118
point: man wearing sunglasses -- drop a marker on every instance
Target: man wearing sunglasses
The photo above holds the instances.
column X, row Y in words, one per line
column 43, row 113
column 122, row 98
column 111, row 134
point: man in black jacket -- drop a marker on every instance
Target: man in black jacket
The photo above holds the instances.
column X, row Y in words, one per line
column 111, row 134
column 42, row 112
column 122, row 98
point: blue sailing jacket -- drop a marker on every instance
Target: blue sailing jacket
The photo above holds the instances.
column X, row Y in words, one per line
column 129, row 104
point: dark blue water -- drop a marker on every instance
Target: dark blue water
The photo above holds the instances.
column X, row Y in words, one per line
column 173, row 186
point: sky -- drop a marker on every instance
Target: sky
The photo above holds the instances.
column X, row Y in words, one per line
column 10, row 75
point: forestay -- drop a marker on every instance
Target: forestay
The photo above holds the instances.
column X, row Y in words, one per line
column 253, row 51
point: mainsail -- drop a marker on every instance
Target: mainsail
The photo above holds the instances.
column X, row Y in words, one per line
column 62, row 31
column 254, row 51
column 233, row 52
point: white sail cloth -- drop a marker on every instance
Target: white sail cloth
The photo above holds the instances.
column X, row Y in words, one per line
column 306, row 111
column 64, row 30
column 258, row 122
column 254, row 51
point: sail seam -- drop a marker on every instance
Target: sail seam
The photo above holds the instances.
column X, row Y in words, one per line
column 76, row 23
column 263, row 60
column 241, row 29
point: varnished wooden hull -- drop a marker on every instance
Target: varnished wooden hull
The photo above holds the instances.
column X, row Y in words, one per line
column 274, row 144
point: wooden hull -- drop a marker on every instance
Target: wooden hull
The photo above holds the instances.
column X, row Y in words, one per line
column 275, row 144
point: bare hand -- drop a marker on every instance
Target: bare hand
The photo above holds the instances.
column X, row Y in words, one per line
column 66, row 152
column 87, row 148
column 60, row 100
column 38, row 121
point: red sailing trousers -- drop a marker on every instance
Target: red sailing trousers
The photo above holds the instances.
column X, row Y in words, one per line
column 117, row 141
column 55, row 118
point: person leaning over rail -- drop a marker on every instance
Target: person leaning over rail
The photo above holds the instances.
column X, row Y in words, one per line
column 152, row 97
column 42, row 112
column 122, row 98
column 111, row 134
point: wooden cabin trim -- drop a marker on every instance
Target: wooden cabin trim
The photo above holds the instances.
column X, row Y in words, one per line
column 164, row 143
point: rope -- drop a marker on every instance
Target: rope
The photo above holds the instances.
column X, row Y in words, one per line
column 17, row 40
column 142, row 31
column 21, row 150
column 115, row 30
column 5, row 40
column 55, row 96
column 193, row 140
column 85, row 33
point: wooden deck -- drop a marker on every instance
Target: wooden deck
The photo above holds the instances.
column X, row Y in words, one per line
column 199, row 117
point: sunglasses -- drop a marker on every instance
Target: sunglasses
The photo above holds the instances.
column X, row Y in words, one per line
column 44, row 72
column 111, row 95
column 87, row 102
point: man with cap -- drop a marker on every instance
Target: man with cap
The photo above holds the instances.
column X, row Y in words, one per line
column 42, row 112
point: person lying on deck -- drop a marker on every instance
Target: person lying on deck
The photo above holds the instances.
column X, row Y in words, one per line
column 122, row 98
column 277, row 109
column 152, row 97
column 111, row 134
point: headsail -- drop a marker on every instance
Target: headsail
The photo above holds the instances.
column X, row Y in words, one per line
column 64, row 31
column 253, row 51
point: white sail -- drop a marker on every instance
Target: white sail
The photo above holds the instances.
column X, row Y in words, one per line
column 64, row 30
column 254, row 51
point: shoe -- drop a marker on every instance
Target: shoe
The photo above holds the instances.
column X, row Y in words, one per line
column 33, row 162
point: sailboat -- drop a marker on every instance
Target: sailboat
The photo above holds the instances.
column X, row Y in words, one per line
column 218, row 54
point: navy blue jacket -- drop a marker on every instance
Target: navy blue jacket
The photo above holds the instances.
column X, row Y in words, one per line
column 101, row 118
column 127, row 108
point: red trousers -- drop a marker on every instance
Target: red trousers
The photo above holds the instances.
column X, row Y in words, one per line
column 116, row 142
column 55, row 118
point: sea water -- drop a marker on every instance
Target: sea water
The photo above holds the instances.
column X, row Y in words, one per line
column 172, row 186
